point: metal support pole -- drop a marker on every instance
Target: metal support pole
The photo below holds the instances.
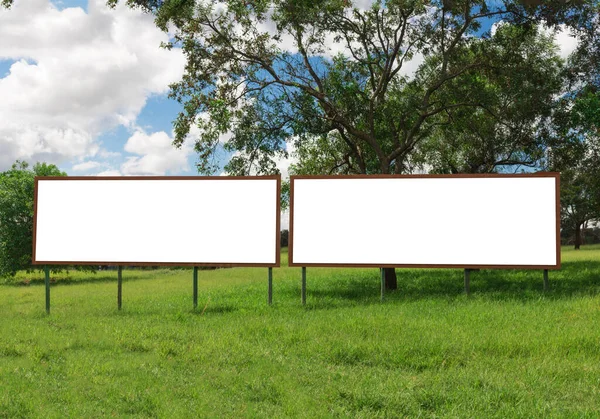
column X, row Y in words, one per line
column 47, row 280
column 467, row 281
column 546, row 284
column 382, row 274
column 303, row 285
column 119, row 287
column 270, row 286
column 195, row 287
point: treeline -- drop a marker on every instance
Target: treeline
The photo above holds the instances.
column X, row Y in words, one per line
column 588, row 235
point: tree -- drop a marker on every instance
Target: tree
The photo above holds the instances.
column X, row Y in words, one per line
column 576, row 154
column 354, row 111
column 580, row 188
column 575, row 138
column 579, row 206
column 516, row 101
column 16, row 214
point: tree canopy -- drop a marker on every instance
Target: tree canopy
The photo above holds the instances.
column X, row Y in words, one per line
column 16, row 214
column 575, row 153
column 574, row 137
column 331, row 78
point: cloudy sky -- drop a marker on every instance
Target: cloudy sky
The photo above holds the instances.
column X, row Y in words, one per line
column 85, row 87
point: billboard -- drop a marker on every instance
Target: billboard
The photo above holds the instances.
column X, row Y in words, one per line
column 178, row 220
column 455, row 221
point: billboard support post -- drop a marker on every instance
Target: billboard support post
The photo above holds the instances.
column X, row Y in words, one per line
column 270, row 285
column 119, row 287
column 467, row 281
column 382, row 274
column 304, row 285
column 195, row 287
column 546, row 284
column 47, row 282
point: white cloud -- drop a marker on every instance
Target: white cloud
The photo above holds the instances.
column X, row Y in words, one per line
column 110, row 173
column 567, row 43
column 410, row 67
column 108, row 154
column 76, row 75
column 564, row 39
column 495, row 26
column 157, row 155
column 88, row 165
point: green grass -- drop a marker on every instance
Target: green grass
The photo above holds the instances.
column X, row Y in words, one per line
column 508, row 350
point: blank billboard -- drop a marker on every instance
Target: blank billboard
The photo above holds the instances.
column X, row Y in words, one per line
column 470, row 221
column 215, row 221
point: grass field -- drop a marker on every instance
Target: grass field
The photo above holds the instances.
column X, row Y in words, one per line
column 508, row 350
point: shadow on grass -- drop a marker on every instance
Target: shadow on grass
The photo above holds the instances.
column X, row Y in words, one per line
column 573, row 279
column 360, row 287
column 98, row 277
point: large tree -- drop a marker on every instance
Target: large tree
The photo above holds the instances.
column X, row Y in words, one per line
column 331, row 78
column 16, row 214
column 514, row 96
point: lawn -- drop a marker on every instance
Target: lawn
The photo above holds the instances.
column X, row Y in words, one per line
column 507, row 350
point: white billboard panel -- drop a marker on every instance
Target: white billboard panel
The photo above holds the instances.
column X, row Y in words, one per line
column 155, row 221
column 470, row 221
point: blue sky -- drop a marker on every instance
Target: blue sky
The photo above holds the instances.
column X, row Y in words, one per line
column 63, row 4
column 86, row 88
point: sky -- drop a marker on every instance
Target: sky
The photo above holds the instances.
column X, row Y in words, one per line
column 85, row 87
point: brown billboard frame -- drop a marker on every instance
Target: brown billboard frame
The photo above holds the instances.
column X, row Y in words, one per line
column 133, row 263
column 554, row 175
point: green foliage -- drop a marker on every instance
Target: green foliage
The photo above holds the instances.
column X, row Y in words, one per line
column 359, row 112
column 575, row 152
column 16, row 214
column 515, row 105
column 580, row 189
column 585, row 113
column 574, row 136
column 284, row 237
column 508, row 350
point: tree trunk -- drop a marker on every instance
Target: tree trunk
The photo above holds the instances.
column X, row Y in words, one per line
column 391, row 282
column 578, row 236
